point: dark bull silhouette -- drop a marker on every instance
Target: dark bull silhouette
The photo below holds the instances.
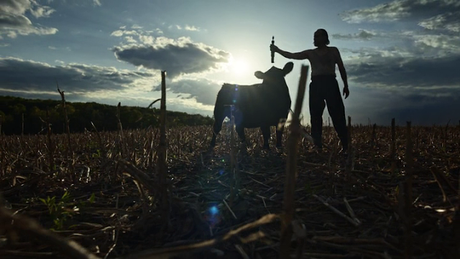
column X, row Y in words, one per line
column 259, row 105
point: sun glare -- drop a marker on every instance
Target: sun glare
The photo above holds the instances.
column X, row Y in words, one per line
column 239, row 66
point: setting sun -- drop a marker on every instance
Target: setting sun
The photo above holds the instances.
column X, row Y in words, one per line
column 239, row 66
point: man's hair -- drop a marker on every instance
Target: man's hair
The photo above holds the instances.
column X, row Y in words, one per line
column 325, row 33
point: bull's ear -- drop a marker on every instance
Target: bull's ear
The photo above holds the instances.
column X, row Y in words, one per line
column 288, row 68
column 259, row 74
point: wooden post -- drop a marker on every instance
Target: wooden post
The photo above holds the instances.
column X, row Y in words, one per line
column 291, row 169
column 162, row 167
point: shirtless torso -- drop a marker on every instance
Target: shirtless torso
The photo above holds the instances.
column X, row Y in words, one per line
column 323, row 60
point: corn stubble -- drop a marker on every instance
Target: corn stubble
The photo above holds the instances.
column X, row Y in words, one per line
column 399, row 198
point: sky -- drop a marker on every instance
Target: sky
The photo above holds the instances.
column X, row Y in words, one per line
column 402, row 57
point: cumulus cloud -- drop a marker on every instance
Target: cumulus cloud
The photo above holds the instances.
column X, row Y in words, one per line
column 30, row 79
column 13, row 20
column 440, row 20
column 423, row 61
column 191, row 28
column 362, row 35
column 177, row 57
column 448, row 21
column 20, row 75
column 435, row 44
column 401, row 9
column 123, row 32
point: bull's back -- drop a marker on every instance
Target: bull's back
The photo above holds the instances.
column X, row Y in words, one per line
column 237, row 95
column 254, row 106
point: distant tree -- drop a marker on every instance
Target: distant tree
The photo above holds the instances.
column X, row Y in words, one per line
column 82, row 114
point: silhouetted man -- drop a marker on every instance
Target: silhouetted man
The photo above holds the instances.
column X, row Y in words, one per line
column 324, row 88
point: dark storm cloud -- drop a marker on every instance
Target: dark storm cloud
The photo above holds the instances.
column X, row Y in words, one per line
column 22, row 75
column 13, row 18
column 392, row 72
column 381, row 105
column 204, row 91
column 176, row 57
column 392, row 85
column 423, row 110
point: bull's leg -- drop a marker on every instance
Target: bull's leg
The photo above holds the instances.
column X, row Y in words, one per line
column 279, row 136
column 279, row 132
column 266, row 135
column 218, row 119
column 240, row 131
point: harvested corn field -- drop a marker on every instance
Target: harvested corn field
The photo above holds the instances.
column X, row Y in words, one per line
column 99, row 195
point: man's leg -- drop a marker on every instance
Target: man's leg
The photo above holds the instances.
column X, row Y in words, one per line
column 337, row 112
column 316, row 104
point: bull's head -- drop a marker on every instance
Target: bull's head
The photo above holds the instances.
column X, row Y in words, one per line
column 275, row 75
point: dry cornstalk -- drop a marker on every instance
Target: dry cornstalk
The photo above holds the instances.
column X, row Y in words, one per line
column 120, row 129
column 22, row 124
column 393, row 146
column 230, row 209
column 291, row 168
column 64, row 108
column 442, row 180
column 349, row 164
column 373, row 136
column 408, row 193
column 162, row 166
column 173, row 252
column 301, row 234
column 350, row 211
column 234, row 170
column 30, row 228
column 50, row 144
column 351, row 220
column 139, row 176
column 99, row 140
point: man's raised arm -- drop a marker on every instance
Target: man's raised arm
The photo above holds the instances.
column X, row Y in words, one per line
column 290, row 55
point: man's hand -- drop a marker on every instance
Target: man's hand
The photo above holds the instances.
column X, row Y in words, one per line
column 274, row 48
column 346, row 91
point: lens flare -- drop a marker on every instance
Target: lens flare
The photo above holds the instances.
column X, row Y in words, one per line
column 213, row 210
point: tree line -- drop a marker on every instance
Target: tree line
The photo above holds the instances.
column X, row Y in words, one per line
column 32, row 116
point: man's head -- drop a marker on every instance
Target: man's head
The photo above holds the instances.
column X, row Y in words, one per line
column 320, row 38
